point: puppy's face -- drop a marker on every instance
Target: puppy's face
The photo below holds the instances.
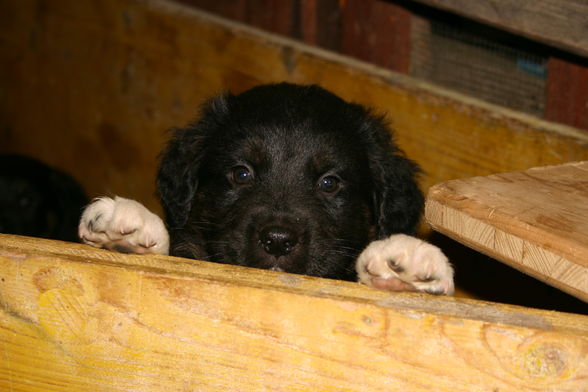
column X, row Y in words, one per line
column 281, row 177
column 291, row 197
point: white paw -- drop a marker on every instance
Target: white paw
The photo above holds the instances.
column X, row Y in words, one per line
column 402, row 262
column 123, row 225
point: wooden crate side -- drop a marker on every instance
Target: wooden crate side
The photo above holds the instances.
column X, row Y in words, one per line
column 78, row 319
column 96, row 84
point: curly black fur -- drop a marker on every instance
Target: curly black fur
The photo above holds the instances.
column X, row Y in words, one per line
column 285, row 177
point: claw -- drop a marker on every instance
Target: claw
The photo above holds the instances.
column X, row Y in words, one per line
column 394, row 266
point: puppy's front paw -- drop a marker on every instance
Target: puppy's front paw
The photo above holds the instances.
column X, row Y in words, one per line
column 123, row 225
column 405, row 263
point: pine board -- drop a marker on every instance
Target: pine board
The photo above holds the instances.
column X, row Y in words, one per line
column 534, row 220
column 75, row 318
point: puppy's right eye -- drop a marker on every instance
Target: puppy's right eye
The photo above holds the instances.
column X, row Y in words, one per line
column 241, row 175
column 329, row 184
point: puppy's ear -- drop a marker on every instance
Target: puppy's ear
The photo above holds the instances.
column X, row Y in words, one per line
column 398, row 201
column 177, row 178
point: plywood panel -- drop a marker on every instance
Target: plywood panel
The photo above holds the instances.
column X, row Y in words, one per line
column 535, row 220
column 75, row 318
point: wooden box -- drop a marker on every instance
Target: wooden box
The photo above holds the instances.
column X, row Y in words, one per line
column 92, row 86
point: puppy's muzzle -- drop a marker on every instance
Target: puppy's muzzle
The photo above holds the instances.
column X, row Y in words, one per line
column 277, row 240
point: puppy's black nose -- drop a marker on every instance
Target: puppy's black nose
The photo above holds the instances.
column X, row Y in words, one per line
column 277, row 241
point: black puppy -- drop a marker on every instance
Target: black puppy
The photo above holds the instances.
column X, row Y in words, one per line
column 37, row 200
column 284, row 177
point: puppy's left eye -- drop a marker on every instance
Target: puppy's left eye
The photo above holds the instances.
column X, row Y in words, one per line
column 241, row 175
column 329, row 184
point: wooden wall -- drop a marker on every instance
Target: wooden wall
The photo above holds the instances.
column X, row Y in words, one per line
column 371, row 30
column 379, row 32
column 92, row 87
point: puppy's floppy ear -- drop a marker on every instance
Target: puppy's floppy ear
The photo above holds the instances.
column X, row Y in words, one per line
column 398, row 201
column 177, row 178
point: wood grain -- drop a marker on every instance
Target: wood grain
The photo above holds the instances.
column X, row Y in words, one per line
column 567, row 93
column 535, row 220
column 92, row 87
column 561, row 23
column 74, row 318
column 377, row 32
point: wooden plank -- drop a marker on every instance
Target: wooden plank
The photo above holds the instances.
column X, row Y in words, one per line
column 112, row 85
column 231, row 9
column 377, row 32
column 567, row 93
column 320, row 23
column 535, row 220
column 74, row 318
column 561, row 23
column 276, row 16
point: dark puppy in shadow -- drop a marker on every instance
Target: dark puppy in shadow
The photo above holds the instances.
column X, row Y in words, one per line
column 38, row 200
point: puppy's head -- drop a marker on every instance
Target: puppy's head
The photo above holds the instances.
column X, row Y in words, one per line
column 285, row 177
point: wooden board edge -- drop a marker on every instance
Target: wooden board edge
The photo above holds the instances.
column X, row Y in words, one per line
column 81, row 325
column 505, row 223
column 21, row 248
column 500, row 244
